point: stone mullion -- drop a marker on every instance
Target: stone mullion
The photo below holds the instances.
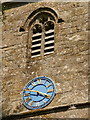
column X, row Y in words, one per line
column 42, row 41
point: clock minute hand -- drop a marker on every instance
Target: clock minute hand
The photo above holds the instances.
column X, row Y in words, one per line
column 38, row 92
column 48, row 96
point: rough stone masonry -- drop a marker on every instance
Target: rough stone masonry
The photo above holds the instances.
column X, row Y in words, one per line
column 67, row 66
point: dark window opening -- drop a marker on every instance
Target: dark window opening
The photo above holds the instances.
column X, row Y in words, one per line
column 48, row 34
column 49, row 25
column 48, row 45
column 36, row 37
column 49, row 50
column 36, row 53
column 37, row 29
column 35, row 48
column 36, row 42
column 49, row 39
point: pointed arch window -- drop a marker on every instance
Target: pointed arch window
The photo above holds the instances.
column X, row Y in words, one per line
column 42, row 36
column 41, row 25
column 36, row 40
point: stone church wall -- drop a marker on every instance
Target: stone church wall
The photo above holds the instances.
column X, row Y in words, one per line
column 67, row 66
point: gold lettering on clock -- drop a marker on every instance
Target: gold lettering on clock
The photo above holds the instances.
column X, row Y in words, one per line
column 27, row 99
column 31, row 103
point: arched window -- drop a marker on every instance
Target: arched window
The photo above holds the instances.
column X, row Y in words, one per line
column 42, row 32
column 49, row 38
column 36, row 40
column 40, row 25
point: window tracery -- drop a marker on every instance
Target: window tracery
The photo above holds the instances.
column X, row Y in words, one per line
column 42, row 36
column 41, row 28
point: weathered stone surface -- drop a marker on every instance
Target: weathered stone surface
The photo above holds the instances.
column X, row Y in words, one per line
column 67, row 114
column 67, row 67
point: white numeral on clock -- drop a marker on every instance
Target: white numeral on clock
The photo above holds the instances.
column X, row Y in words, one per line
column 44, row 101
column 33, row 84
column 39, row 81
column 37, row 104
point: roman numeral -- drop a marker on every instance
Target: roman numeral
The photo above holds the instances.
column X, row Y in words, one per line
column 49, row 85
column 39, row 81
column 33, row 84
column 44, row 101
column 27, row 99
column 44, row 81
column 50, row 90
column 31, row 103
column 26, row 94
column 37, row 104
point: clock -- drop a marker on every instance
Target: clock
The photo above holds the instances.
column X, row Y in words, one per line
column 38, row 93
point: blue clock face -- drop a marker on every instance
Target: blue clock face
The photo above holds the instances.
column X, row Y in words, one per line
column 38, row 93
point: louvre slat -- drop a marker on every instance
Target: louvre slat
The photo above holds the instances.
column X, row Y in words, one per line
column 36, row 40
column 33, row 51
column 37, row 34
column 48, row 42
column 49, row 36
column 50, row 31
column 35, row 56
column 46, row 48
column 48, row 53
column 36, row 45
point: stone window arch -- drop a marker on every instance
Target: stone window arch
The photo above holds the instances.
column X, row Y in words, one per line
column 42, row 41
column 40, row 25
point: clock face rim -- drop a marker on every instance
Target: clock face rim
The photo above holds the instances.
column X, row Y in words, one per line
column 45, row 104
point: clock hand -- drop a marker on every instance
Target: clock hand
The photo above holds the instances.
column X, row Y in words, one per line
column 38, row 92
column 44, row 94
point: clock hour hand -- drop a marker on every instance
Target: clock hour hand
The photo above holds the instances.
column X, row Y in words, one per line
column 48, row 96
